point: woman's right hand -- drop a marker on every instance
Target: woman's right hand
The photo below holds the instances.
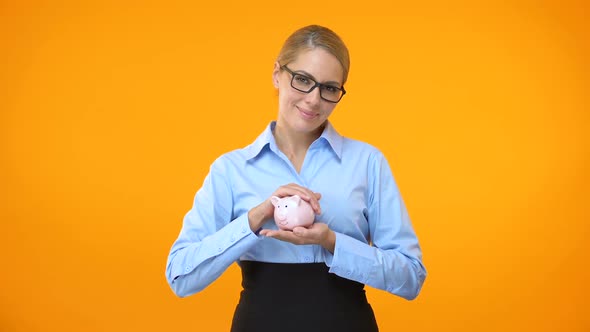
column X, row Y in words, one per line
column 258, row 215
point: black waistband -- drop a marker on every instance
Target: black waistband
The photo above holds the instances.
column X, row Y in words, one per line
column 300, row 297
column 294, row 278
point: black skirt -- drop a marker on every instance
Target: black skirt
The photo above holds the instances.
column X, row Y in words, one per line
column 300, row 297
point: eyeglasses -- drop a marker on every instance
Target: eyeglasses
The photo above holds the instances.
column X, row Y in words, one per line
column 306, row 84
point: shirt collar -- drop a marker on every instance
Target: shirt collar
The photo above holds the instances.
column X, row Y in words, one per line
column 333, row 138
column 263, row 140
column 329, row 134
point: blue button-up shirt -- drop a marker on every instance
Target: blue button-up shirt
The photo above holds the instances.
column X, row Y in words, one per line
column 361, row 203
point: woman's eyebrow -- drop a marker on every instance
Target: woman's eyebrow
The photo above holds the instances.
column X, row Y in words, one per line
column 312, row 77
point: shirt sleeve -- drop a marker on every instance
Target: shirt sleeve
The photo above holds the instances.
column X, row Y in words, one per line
column 394, row 261
column 209, row 241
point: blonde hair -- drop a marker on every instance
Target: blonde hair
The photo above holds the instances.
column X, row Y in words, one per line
column 311, row 37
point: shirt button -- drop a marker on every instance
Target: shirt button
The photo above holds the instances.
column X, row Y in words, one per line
column 307, row 259
column 348, row 273
column 220, row 249
column 243, row 231
column 233, row 239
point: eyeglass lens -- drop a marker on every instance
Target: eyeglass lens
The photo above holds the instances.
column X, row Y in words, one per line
column 306, row 84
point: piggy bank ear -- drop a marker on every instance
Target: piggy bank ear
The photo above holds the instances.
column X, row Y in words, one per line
column 296, row 199
column 275, row 200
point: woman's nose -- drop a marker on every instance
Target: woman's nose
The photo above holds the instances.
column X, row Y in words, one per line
column 313, row 97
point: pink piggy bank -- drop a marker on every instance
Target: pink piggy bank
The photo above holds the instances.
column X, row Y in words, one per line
column 292, row 211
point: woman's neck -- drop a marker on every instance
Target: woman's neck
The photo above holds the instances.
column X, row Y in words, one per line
column 295, row 144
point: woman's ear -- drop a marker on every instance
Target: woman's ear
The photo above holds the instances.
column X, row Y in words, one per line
column 275, row 75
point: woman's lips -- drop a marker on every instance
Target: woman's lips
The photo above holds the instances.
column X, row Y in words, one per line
column 306, row 114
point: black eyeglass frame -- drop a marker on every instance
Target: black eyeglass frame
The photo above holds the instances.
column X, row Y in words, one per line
column 317, row 84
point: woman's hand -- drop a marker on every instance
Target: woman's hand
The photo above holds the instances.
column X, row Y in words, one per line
column 317, row 233
column 258, row 215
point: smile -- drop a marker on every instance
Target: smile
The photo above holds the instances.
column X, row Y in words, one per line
column 306, row 114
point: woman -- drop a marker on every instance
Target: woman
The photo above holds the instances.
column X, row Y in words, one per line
column 361, row 235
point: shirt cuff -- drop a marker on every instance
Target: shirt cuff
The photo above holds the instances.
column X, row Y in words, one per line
column 229, row 242
column 236, row 231
column 352, row 259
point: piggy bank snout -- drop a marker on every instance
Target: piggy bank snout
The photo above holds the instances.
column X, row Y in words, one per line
column 291, row 212
column 281, row 213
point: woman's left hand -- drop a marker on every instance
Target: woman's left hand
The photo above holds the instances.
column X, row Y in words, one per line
column 317, row 233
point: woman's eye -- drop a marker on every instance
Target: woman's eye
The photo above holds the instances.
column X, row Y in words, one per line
column 331, row 89
column 302, row 79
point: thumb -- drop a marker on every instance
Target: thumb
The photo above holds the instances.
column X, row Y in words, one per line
column 299, row 231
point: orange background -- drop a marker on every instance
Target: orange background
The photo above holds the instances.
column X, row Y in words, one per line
column 110, row 115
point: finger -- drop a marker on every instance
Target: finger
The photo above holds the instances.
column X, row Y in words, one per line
column 314, row 202
column 316, row 207
column 304, row 193
column 275, row 233
column 271, row 233
column 286, row 236
column 292, row 189
column 308, row 193
column 300, row 231
column 309, row 196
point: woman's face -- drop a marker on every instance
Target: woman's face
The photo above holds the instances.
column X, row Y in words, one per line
column 306, row 112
